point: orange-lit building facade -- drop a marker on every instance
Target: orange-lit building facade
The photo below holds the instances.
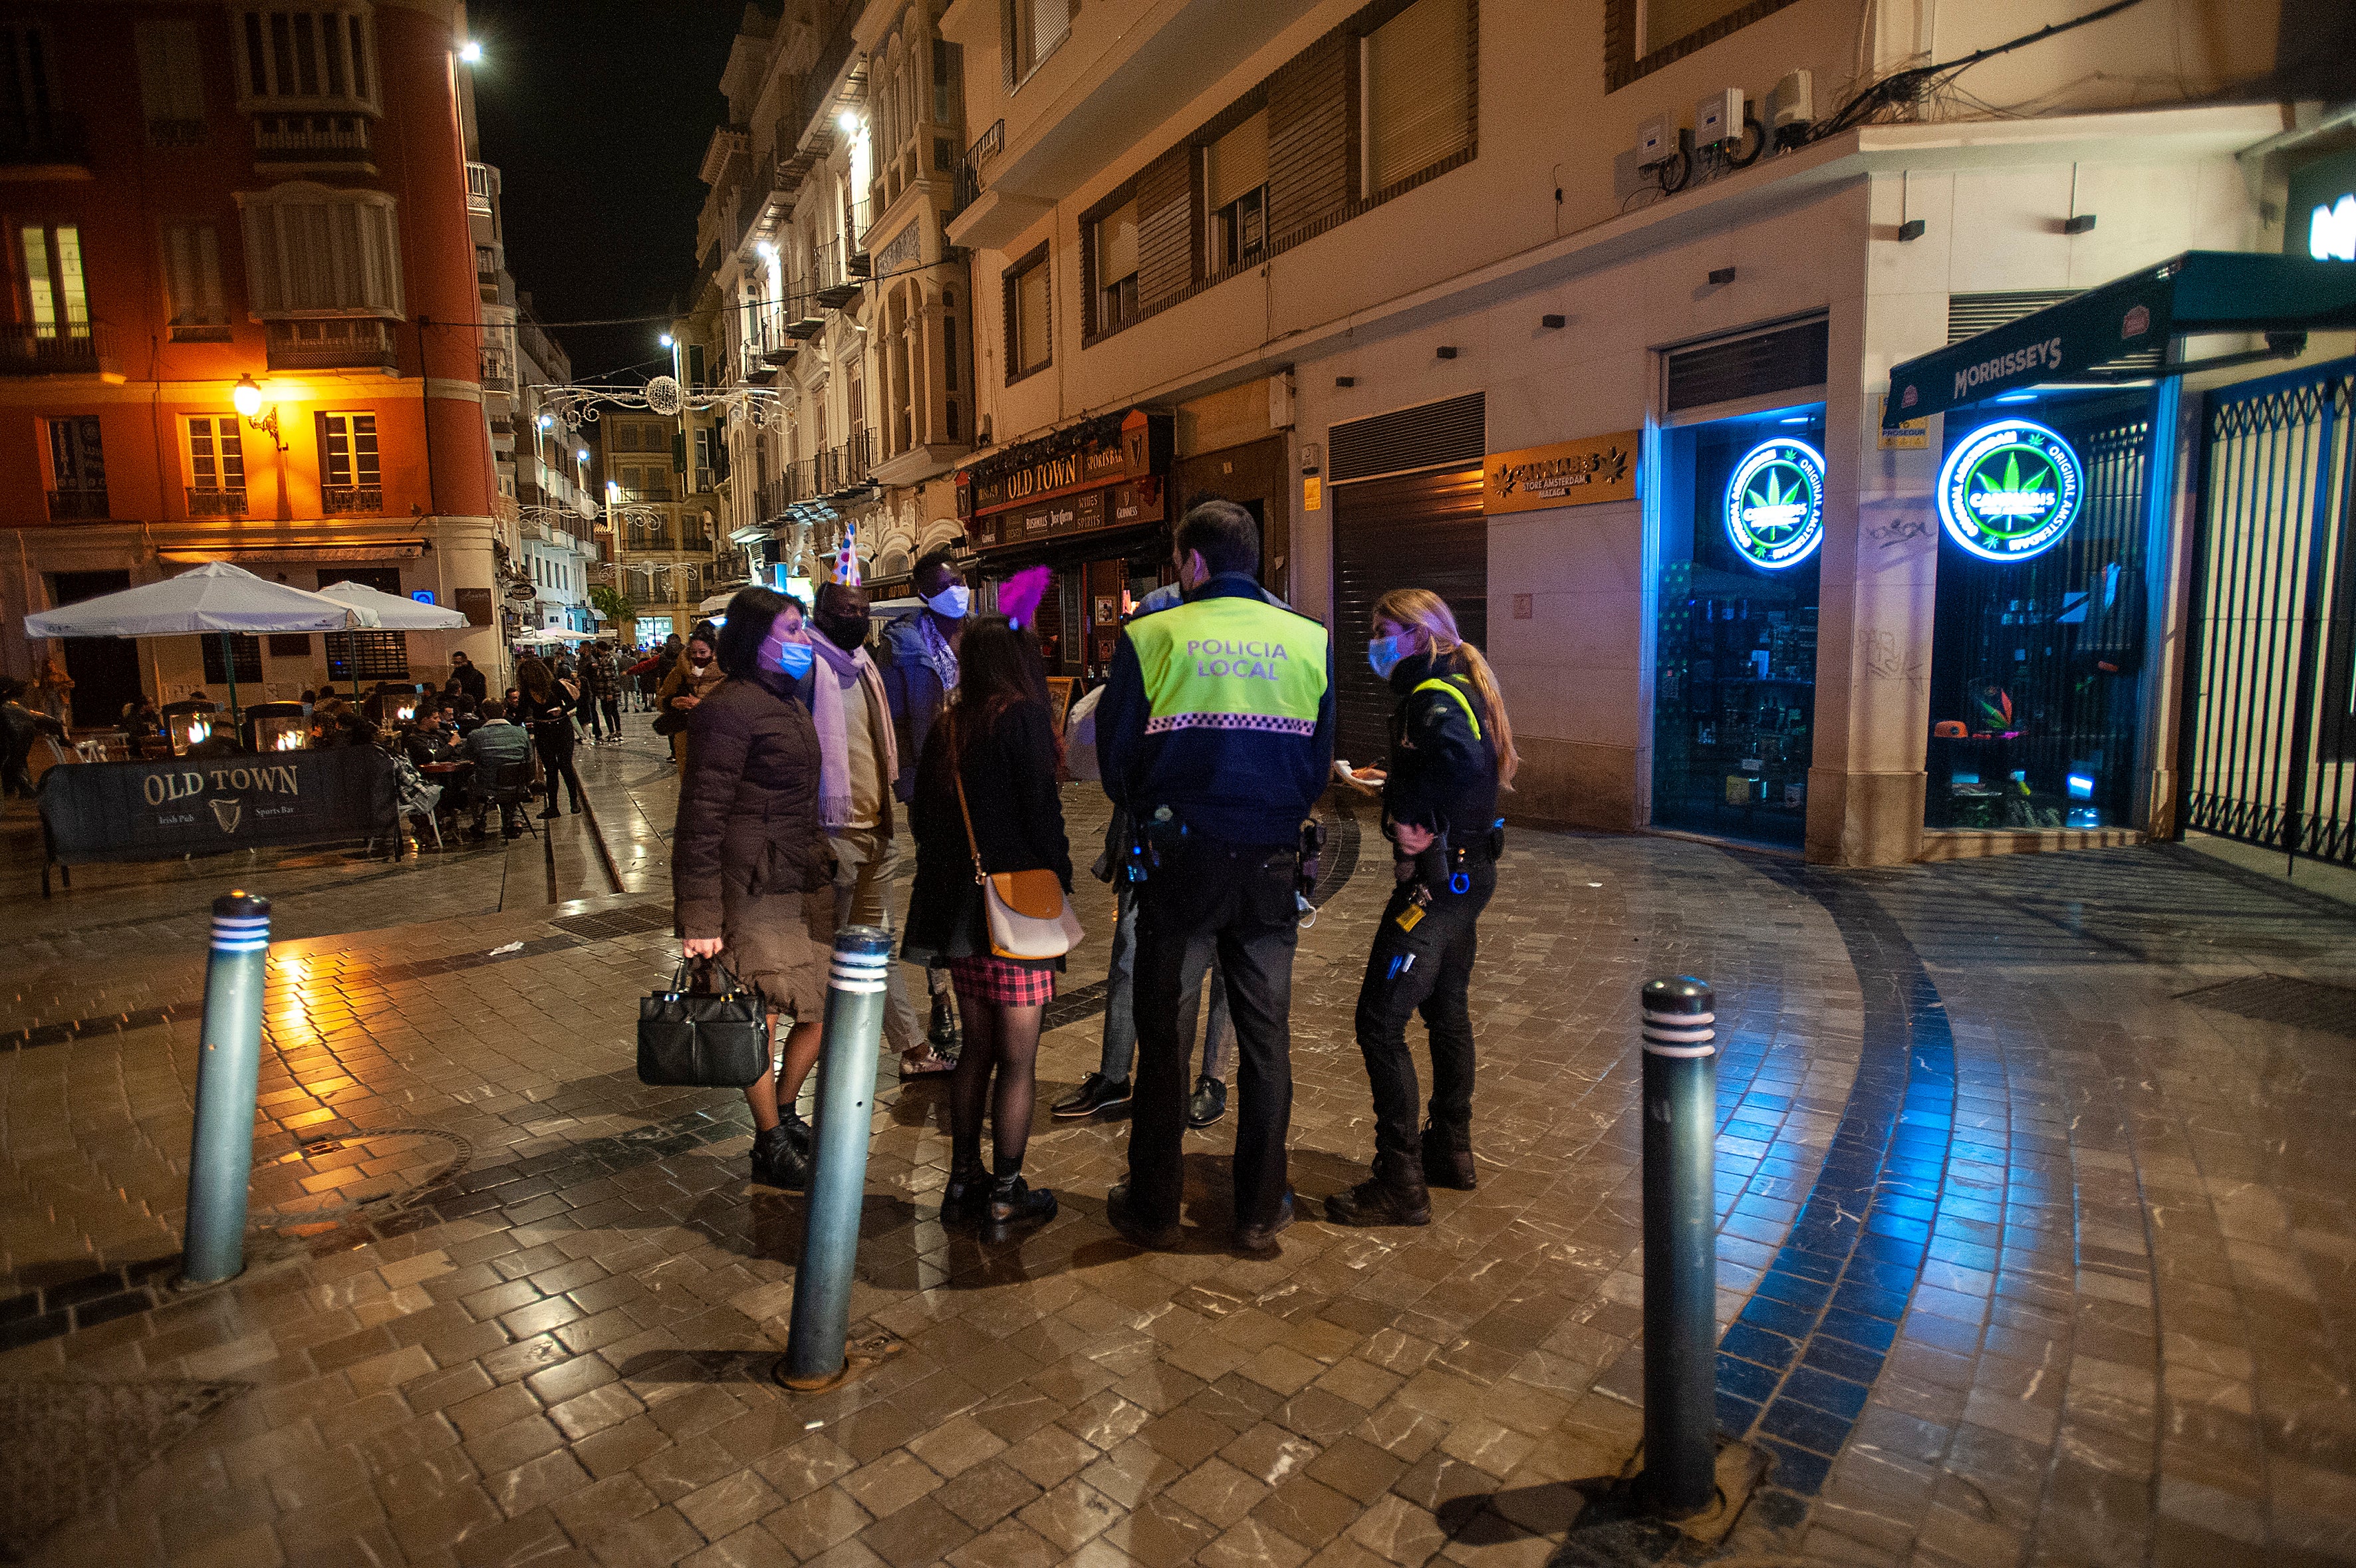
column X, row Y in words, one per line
column 197, row 193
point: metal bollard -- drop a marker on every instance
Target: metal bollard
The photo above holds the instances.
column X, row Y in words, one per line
column 220, row 1154
column 1680, row 1248
column 846, row 1104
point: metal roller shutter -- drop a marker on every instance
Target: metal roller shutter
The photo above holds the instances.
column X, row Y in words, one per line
column 1417, row 530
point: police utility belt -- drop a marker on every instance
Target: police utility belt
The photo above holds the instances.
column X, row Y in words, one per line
column 1165, row 833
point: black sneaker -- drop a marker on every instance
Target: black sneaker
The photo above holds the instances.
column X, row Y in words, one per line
column 1097, row 1092
column 1260, row 1239
column 1207, row 1103
column 1012, row 1202
column 1153, row 1239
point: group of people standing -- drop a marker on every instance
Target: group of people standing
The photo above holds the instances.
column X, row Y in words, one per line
column 1214, row 738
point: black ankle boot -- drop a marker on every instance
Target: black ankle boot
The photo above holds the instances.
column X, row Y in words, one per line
column 1394, row 1194
column 1445, row 1164
column 777, row 1163
column 965, row 1198
column 944, row 1033
column 1012, row 1202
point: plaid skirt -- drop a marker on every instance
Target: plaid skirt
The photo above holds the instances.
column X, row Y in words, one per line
column 1001, row 980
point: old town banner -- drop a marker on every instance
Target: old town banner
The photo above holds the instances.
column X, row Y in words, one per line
column 210, row 805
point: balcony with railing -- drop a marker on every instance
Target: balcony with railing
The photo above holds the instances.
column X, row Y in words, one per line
column 311, row 139
column 216, row 502
column 87, row 504
column 350, row 501
column 78, row 348
column 968, row 184
column 334, row 343
column 479, row 179
column 43, row 138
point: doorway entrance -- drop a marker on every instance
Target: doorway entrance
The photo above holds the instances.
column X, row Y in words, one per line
column 104, row 669
column 1414, row 531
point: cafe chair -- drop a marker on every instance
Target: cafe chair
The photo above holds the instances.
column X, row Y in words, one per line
column 511, row 790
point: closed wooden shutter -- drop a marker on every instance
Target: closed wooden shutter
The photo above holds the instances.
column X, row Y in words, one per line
column 1166, row 227
column 1238, row 161
column 1417, row 530
column 1310, row 135
column 1420, row 91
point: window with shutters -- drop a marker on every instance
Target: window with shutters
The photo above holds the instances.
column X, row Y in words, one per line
column 171, row 84
column 1029, row 306
column 1416, row 96
column 1641, row 36
column 1112, row 246
column 350, row 481
column 33, row 127
column 311, row 56
column 53, row 301
column 192, row 282
column 216, row 464
column 313, row 250
column 1234, row 182
column 1034, row 29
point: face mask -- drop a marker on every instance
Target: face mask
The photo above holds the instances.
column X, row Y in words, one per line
column 950, row 603
column 1385, row 653
column 845, row 632
column 791, row 660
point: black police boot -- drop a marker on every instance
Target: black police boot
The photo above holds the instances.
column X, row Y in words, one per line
column 1097, row 1092
column 1446, row 1164
column 1260, row 1239
column 1152, row 1238
column 1394, row 1194
column 777, row 1163
column 1207, row 1103
column 1012, row 1202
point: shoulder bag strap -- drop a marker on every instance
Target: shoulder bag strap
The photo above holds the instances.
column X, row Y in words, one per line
column 972, row 843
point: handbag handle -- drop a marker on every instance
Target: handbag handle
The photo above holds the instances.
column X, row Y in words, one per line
column 678, row 975
column 948, row 720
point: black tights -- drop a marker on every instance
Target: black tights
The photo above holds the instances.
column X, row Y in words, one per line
column 1007, row 1039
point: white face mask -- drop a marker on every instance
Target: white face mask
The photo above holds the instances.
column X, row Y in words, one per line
column 950, row 603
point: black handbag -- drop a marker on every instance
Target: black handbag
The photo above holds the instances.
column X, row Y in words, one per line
column 711, row 1039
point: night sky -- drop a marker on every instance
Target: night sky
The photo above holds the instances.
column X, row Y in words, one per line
column 597, row 113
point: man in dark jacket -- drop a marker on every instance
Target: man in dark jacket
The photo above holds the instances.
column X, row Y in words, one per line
column 470, row 680
column 1215, row 734
column 493, row 743
column 918, row 660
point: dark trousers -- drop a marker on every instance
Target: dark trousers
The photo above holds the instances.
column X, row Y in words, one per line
column 1425, row 969
column 554, row 739
column 1238, row 900
column 612, row 708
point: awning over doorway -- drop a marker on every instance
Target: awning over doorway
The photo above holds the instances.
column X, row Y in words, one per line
column 2118, row 331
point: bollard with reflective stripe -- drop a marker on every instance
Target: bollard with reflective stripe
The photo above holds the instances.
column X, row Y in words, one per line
column 220, row 1154
column 846, row 1110
column 1680, row 1248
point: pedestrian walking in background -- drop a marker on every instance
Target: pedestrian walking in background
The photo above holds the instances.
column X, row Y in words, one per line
column 694, row 675
column 919, row 659
column 545, row 708
column 21, row 727
column 986, row 801
column 1217, row 761
column 586, row 676
column 605, row 687
column 1451, row 748
column 751, row 876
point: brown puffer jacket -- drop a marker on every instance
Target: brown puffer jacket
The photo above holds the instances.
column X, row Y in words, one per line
column 747, row 805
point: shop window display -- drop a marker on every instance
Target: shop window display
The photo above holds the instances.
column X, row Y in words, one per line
column 2038, row 648
column 1734, row 696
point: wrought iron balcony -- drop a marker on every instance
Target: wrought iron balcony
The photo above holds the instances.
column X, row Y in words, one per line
column 339, row 500
column 335, row 343
column 967, row 185
column 78, row 506
column 311, row 138
column 216, row 503
column 83, row 350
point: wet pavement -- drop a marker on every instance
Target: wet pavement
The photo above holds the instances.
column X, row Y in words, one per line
column 2035, row 1244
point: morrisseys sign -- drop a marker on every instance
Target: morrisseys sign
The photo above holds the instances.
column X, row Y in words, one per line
column 1569, row 473
column 209, row 805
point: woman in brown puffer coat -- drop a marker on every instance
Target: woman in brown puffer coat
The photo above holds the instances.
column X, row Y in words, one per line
column 752, row 874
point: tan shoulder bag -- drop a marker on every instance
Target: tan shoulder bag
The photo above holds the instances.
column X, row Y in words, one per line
column 1029, row 917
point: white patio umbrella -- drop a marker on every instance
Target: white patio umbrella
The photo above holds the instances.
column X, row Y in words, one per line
column 213, row 598
column 391, row 613
column 555, row 633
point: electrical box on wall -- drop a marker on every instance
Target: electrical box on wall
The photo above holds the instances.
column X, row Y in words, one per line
column 1793, row 102
column 1718, row 118
column 1656, row 139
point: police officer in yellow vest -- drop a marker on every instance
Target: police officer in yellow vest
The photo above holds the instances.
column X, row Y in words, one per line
column 1216, row 733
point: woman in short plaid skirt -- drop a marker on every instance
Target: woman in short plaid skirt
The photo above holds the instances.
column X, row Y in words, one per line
column 998, row 736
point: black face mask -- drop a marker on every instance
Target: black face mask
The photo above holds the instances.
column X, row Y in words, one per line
column 846, row 632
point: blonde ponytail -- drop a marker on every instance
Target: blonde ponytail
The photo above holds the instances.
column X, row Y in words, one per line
column 1422, row 609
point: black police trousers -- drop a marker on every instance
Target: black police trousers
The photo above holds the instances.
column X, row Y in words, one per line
column 1425, row 969
column 1238, row 898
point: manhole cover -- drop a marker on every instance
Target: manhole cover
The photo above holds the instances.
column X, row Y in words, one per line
column 66, row 1444
column 326, row 1179
column 2279, row 999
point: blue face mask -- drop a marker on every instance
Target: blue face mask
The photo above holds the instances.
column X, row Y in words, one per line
column 1385, row 653
column 791, row 660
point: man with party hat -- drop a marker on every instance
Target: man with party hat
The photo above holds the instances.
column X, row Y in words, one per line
column 858, row 764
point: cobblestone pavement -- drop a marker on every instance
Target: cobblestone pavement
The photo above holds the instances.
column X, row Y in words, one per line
column 2034, row 1247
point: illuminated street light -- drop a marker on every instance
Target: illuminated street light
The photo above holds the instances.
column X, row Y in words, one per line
column 666, row 339
column 471, row 51
column 849, row 121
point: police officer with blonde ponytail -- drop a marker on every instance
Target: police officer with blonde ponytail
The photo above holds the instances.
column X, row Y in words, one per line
column 1452, row 750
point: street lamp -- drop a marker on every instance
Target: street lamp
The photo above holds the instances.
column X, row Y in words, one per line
column 246, row 398
column 666, row 339
column 471, row 51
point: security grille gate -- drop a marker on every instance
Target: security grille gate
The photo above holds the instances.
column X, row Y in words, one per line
column 2270, row 738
